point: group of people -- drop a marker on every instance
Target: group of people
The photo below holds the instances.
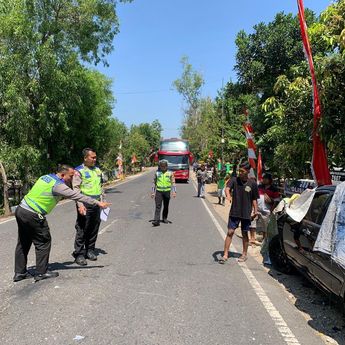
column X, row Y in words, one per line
column 83, row 185
column 251, row 206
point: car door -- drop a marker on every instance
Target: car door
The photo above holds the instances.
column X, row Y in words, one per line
column 325, row 271
column 295, row 245
column 299, row 238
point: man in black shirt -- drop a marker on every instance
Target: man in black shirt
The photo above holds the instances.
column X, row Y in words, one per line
column 244, row 194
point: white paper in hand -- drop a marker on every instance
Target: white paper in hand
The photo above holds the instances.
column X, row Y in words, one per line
column 105, row 214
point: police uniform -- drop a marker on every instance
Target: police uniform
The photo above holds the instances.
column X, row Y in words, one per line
column 164, row 183
column 89, row 181
column 32, row 223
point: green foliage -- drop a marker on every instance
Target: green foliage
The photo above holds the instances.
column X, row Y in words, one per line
column 268, row 52
column 274, row 85
column 137, row 145
column 52, row 105
column 189, row 86
column 150, row 131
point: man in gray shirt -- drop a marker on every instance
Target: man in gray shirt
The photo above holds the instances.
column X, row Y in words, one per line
column 201, row 176
column 32, row 223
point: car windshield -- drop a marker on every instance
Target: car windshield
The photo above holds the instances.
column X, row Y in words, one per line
column 175, row 159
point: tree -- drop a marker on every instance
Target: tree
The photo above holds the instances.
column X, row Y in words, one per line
column 5, row 189
column 189, row 87
column 190, row 84
column 150, row 131
column 51, row 104
column 137, row 145
column 271, row 50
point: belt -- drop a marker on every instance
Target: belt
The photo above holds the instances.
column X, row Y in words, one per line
column 29, row 209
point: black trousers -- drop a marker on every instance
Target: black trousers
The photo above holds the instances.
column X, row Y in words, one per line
column 87, row 230
column 162, row 197
column 32, row 229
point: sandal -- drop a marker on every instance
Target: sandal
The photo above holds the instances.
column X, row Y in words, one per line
column 222, row 260
column 242, row 258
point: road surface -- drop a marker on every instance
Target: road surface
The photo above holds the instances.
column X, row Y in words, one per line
column 149, row 286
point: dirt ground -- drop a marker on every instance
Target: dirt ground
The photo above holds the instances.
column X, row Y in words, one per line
column 320, row 311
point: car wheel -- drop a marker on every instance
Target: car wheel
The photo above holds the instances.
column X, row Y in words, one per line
column 278, row 257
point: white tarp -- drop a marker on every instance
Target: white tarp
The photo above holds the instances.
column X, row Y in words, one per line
column 300, row 206
column 331, row 237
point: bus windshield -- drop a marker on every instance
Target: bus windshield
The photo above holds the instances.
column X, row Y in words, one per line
column 175, row 159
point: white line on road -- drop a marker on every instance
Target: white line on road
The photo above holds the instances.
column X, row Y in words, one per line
column 102, row 231
column 278, row 320
column 7, row 220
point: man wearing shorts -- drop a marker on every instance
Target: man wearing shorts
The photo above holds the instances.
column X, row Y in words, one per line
column 244, row 193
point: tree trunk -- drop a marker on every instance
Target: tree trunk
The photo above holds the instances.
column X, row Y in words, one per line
column 5, row 186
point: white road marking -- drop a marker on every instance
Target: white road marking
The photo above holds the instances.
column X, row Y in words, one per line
column 278, row 320
column 7, row 220
column 102, row 231
column 130, row 178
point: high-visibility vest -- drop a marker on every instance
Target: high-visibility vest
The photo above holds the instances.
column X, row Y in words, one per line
column 91, row 181
column 163, row 182
column 41, row 198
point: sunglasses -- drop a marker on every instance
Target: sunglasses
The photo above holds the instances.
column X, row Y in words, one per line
column 243, row 170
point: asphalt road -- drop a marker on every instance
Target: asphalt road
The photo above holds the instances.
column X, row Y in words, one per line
column 149, row 286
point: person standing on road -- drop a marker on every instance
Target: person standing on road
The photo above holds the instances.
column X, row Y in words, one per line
column 87, row 180
column 221, row 186
column 201, row 176
column 268, row 201
column 244, row 208
column 32, row 223
column 162, row 189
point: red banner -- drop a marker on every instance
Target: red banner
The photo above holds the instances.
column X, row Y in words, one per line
column 259, row 167
column 320, row 168
column 248, row 129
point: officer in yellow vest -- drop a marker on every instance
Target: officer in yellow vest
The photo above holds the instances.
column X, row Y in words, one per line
column 33, row 226
column 88, row 181
column 163, row 187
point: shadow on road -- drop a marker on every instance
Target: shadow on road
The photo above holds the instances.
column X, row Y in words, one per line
column 112, row 191
column 218, row 254
column 57, row 266
column 99, row 251
column 325, row 316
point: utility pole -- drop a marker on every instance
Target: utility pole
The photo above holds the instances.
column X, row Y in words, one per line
column 222, row 122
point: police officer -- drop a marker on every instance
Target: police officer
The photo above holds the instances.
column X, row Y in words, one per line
column 88, row 181
column 33, row 226
column 163, row 187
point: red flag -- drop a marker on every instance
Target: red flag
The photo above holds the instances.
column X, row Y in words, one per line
column 259, row 167
column 134, row 159
column 250, row 143
column 319, row 163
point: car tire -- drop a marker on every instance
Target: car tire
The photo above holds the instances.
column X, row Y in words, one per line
column 278, row 258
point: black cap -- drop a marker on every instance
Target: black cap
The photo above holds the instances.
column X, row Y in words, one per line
column 267, row 176
column 245, row 166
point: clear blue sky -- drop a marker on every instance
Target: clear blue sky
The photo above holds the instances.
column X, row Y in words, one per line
column 154, row 34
